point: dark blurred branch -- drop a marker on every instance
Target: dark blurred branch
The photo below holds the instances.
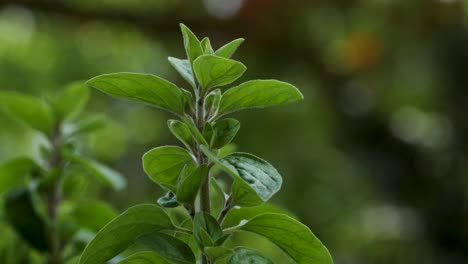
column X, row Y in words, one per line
column 146, row 21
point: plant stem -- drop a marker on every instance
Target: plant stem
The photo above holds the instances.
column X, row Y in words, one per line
column 54, row 199
column 227, row 207
column 205, row 204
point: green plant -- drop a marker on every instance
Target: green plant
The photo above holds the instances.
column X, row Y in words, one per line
column 186, row 173
column 43, row 196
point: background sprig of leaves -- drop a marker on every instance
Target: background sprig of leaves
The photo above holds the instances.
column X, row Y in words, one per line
column 43, row 198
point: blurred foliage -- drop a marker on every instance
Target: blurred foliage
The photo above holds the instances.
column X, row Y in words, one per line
column 374, row 159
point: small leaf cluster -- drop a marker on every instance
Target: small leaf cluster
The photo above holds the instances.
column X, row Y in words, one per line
column 42, row 197
column 187, row 173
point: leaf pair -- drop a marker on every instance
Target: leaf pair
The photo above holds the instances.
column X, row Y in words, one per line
column 43, row 115
column 139, row 225
column 142, row 225
column 165, row 95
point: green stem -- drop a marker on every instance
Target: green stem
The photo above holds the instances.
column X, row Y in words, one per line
column 205, row 204
column 54, row 199
column 227, row 207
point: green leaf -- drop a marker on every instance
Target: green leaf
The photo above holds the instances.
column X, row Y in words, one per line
column 15, row 173
column 102, row 172
column 168, row 201
column 70, row 101
column 255, row 180
column 258, row 94
column 188, row 100
column 196, row 134
column 294, row 238
column 213, row 71
column 191, row 43
column 217, row 197
column 206, row 229
column 144, row 257
column 222, row 239
column 184, row 69
column 22, row 215
column 167, row 246
column 224, row 132
column 141, row 87
column 93, row 215
column 212, row 101
column 164, row 164
column 29, row 110
column 237, row 214
column 244, row 255
column 188, row 189
column 206, row 45
column 208, row 133
column 215, row 254
column 227, row 50
column 121, row 232
column 181, row 131
column 85, row 126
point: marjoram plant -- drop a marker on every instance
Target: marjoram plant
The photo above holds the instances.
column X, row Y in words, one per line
column 185, row 173
column 43, row 196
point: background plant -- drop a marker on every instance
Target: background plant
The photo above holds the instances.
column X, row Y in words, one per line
column 185, row 173
column 44, row 199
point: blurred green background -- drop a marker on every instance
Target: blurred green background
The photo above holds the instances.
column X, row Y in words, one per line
column 374, row 160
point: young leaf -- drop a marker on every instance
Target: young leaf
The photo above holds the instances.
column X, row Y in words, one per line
column 70, row 101
column 196, row 134
column 167, row 246
column 141, row 87
column 23, row 216
column 203, row 225
column 188, row 100
column 121, row 232
column 168, row 201
column 216, row 254
column 294, row 238
column 227, row 50
column 102, row 172
column 206, row 45
column 258, row 94
column 181, row 131
column 29, row 110
column 184, row 69
column 208, row 133
column 15, row 172
column 188, row 189
column 224, row 132
column 217, row 197
column 191, row 43
column 255, row 180
column 144, row 257
column 164, row 164
column 213, row 71
column 212, row 101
